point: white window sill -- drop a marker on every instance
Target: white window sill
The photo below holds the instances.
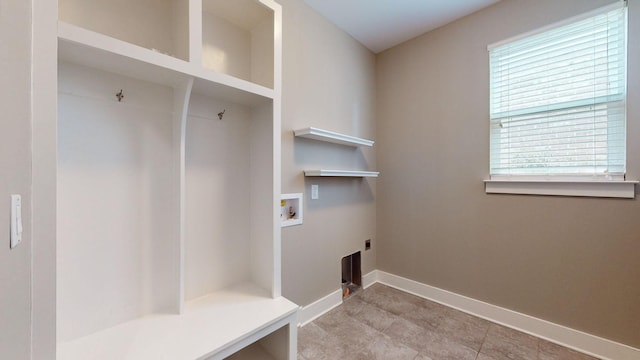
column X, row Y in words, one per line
column 610, row 189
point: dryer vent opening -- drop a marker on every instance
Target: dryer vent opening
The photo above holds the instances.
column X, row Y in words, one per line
column 351, row 274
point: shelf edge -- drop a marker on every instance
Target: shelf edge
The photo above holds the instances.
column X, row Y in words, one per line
column 332, row 137
column 341, row 173
column 82, row 46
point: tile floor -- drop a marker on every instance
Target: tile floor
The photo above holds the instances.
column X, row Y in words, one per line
column 381, row 322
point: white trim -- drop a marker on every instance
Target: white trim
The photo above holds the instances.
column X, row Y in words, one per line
column 341, row 173
column 277, row 144
column 562, row 335
column 332, row 137
column 369, row 279
column 319, row 307
column 323, row 305
column 588, row 14
column 610, row 189
column 182, row 95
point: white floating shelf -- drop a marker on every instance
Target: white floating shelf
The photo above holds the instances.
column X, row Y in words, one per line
column 215, row 324
column 332, row 137
column 341, row 173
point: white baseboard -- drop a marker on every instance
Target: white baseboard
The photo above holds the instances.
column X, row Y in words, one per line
column 319, row 307
column 369, row 279
column 323, row 305
column 562, row 335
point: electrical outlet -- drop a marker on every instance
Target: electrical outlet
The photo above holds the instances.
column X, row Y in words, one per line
column 367, row 244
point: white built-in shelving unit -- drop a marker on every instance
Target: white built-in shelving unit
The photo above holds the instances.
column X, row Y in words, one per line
column 168, row 195
column 335, row 138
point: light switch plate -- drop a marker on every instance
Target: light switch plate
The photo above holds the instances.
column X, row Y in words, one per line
column 314, row 192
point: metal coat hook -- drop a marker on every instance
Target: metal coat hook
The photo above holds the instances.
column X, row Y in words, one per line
column 120, row 95
column 221, row 114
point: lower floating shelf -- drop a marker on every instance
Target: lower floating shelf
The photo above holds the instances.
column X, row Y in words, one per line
column 341, row 173
column 212, row 324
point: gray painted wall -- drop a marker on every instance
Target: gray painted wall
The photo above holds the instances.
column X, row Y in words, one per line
column 329, row 83
column 572, row 261
column 15, row 177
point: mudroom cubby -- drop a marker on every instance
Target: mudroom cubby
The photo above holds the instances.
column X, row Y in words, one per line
column 159, row 25
column 237, row 39
column 115, row 224
column 168, row 190
column 229, row 192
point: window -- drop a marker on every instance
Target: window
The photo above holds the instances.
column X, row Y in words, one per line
column 557, row 101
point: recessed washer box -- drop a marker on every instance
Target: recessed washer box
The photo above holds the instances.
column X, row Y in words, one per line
column 291, row 209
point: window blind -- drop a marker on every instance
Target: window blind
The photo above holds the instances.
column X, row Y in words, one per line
column 557, row 100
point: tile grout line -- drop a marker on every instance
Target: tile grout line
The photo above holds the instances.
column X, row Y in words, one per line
column 484, row 338
column 538, row 355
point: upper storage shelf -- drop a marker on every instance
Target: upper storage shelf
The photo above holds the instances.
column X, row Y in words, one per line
column 230, row 54
column 84, row 47
column 161, row 26
column 332, row 137
column 237, row 39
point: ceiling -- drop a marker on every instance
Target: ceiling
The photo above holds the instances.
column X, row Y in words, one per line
column 381, row 24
